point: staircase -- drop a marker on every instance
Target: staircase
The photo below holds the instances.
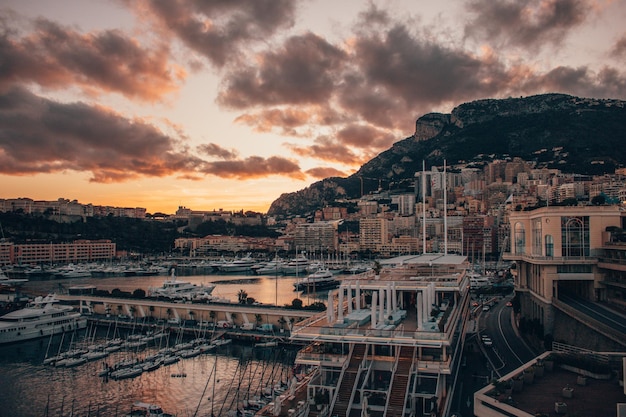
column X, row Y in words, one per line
column 397, row 392
column 347, row 382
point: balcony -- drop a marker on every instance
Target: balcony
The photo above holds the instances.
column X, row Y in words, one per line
column 550, row 260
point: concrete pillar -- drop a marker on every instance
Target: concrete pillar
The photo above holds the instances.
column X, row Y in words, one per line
column 374, row 312
column 420, row 311
column 389, row 305
column 381, row 307
column 394, row 297
column 340, row 306
column 357, row 295
column 349, row 298
column 329, row 309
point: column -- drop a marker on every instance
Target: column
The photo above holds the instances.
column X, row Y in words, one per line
column 374, row 312
column 349, row 298
column 340, row 306
column 357, row 295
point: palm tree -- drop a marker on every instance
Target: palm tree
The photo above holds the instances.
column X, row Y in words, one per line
column 242, row 296
column 191, row 314
column 132, row 310
column 169, row 313
column 258, row 318
column 119, row 309
column 151, row 308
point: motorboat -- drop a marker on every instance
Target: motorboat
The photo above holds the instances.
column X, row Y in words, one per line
column 273, row 267
column 243, row 264
column 42, row 317
column 319, row 280
column 296, row 266
column 175, row 289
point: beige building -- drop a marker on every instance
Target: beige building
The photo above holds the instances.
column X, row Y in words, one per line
column 373, row 233
column 556, row 251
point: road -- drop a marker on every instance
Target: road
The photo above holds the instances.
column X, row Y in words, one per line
column 482, row 363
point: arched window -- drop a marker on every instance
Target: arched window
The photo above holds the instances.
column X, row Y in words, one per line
column 575, row 235
column 520, row 239
column 549, row 246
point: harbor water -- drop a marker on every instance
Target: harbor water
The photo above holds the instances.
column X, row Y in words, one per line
column 216, row 383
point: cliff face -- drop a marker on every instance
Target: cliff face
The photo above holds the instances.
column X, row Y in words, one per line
column 572, row 134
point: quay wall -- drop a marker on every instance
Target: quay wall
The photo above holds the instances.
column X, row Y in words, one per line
column 234, row 314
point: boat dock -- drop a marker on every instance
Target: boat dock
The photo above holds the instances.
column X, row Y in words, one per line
column 238, row 320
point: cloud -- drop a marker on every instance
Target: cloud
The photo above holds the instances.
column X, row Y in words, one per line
column 213, row 149
column 56, row 57
column 605, row 83
column 527, row 24
column 254, row 167
column 619, row 48
column 328, row 149
column 303, row 71
column 218, row 30
column 38, row 135
column 325, row 172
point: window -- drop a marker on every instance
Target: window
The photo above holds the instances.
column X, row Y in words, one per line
column 549, row 246
column 536, row 237
column 520, row 239
column 575, row 236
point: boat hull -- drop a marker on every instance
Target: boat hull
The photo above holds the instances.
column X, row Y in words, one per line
column 23, row 332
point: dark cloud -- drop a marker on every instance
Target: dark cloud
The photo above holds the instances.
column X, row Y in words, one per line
column 619, row 48
column 218, row 29
column 325, row 172
column 57, row 57
column 366, row 137
column 528, row 24
column 328, row 149
column 606, row 83
column 304, row 70
column 213, row 149
column 254, row 167
column 293, row 121
column 38, row 135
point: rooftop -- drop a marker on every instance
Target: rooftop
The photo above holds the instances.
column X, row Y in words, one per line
column 589, row 398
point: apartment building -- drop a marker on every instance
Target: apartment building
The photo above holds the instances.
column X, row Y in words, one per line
column 48, row 253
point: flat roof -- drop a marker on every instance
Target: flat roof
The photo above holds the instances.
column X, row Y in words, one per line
column 426, row 259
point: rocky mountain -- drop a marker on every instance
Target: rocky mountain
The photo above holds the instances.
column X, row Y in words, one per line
column 577, row 135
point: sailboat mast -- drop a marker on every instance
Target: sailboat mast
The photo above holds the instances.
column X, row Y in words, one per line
column 423, row 206
column 445, row 209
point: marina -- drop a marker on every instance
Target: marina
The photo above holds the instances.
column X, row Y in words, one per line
column 37, row 382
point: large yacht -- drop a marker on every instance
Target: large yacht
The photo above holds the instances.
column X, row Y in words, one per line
column 175, row 289
column 297, row 265
column 322, row 279
column 389, row 343
column 243, row 264
column 43, row 317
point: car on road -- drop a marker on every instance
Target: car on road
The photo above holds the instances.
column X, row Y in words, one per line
column 509, row 304
column 486, row 307
column 486, row 340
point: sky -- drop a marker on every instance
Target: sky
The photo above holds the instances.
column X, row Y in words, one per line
column 227, row 104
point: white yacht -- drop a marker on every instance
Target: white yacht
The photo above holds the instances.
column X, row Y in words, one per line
column 321, row 279
column 43, row 317
column 176, row 289
column 243, row 264
column 296, row 266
